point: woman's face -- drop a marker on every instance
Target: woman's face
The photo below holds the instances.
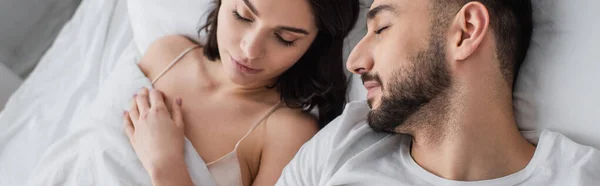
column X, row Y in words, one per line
column 260, row 39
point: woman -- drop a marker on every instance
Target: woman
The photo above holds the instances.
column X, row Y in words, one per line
column 246, row 93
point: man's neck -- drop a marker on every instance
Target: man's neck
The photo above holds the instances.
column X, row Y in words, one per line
column 477, row 139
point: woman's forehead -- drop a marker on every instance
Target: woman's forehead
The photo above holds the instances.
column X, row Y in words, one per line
column 291, row 13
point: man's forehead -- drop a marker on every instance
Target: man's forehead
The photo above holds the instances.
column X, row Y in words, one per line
column 400, row 4
column 380, row 6
column 395, row 3
column 398, row 7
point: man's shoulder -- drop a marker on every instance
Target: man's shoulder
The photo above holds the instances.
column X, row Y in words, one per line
column 344, row 137
column 353, row 117
column 350, row 127
column 565, row 161
column 568, row 154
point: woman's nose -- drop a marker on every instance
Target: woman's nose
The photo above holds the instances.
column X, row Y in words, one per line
column 253, row 45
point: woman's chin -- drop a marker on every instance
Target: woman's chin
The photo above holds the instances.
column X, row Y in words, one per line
column 234, row 76
column 240, row 79
column 243, row 79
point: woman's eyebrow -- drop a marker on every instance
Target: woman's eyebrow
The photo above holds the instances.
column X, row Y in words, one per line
column 293, row 29
column 251, row 7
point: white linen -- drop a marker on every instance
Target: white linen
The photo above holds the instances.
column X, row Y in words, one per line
column 96, row 150
column 65, row 80
column 57, row 96
column 348, row 152
column 557, row 87
column 153, row 19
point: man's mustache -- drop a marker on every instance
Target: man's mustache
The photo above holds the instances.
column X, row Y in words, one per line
column 371, row 77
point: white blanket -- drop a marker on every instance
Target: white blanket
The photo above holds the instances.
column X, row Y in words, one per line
column 96, row 151
column 62, row 126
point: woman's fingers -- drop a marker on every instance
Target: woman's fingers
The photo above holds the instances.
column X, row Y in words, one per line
column 134, row 113
column 156, row 99
column 142, row 101
column 129, row 128
column 177, row 115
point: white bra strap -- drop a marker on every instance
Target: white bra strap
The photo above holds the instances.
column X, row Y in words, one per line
column 173, row 63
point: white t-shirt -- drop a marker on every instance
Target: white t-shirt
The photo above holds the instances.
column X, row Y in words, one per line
column 348, row 152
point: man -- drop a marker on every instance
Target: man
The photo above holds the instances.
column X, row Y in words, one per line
column 440, row 75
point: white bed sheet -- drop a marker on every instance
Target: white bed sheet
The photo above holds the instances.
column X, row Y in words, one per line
column 65, row 80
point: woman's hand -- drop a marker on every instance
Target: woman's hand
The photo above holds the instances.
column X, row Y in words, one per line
column 157, row 137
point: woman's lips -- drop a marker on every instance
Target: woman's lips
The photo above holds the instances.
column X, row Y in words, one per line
column 243, row 68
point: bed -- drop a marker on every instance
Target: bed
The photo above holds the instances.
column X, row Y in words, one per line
column 558, row 93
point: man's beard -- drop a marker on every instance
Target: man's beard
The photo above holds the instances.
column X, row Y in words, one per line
column 411, row 88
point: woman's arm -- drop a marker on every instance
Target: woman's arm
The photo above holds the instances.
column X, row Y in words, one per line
column 158, row 137
column 173, row 173
column 286, row 131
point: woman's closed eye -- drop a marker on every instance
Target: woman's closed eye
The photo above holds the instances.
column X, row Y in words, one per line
column 284, row 42
column 280, row 39
column 240, row 18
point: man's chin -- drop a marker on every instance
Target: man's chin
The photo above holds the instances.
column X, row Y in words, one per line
column 373, row 103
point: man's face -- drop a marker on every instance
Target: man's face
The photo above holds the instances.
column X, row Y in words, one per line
column 401, row 60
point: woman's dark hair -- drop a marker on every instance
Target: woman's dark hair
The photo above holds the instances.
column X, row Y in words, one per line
column 317, row 79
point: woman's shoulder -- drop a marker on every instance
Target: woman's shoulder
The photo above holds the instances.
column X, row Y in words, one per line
column 291, row 124
column 163, row 51
column 171, row 44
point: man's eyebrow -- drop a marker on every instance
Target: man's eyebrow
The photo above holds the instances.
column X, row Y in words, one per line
column 251, row 7
column 375, row 11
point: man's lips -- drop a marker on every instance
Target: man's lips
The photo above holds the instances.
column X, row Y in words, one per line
column 372, row 88
column 371, row 84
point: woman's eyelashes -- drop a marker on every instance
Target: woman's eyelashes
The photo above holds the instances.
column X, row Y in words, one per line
column 240, row 18
column 280, row 39
column 284, row 42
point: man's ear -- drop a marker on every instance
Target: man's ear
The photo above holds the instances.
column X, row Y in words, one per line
column 468, row 30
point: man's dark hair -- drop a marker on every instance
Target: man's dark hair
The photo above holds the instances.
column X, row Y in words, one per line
column 511, row 21
column 318, row 78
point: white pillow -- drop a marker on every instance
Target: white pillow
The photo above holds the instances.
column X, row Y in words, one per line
column 558, row 86
column 28, row 28
column 152, row 19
